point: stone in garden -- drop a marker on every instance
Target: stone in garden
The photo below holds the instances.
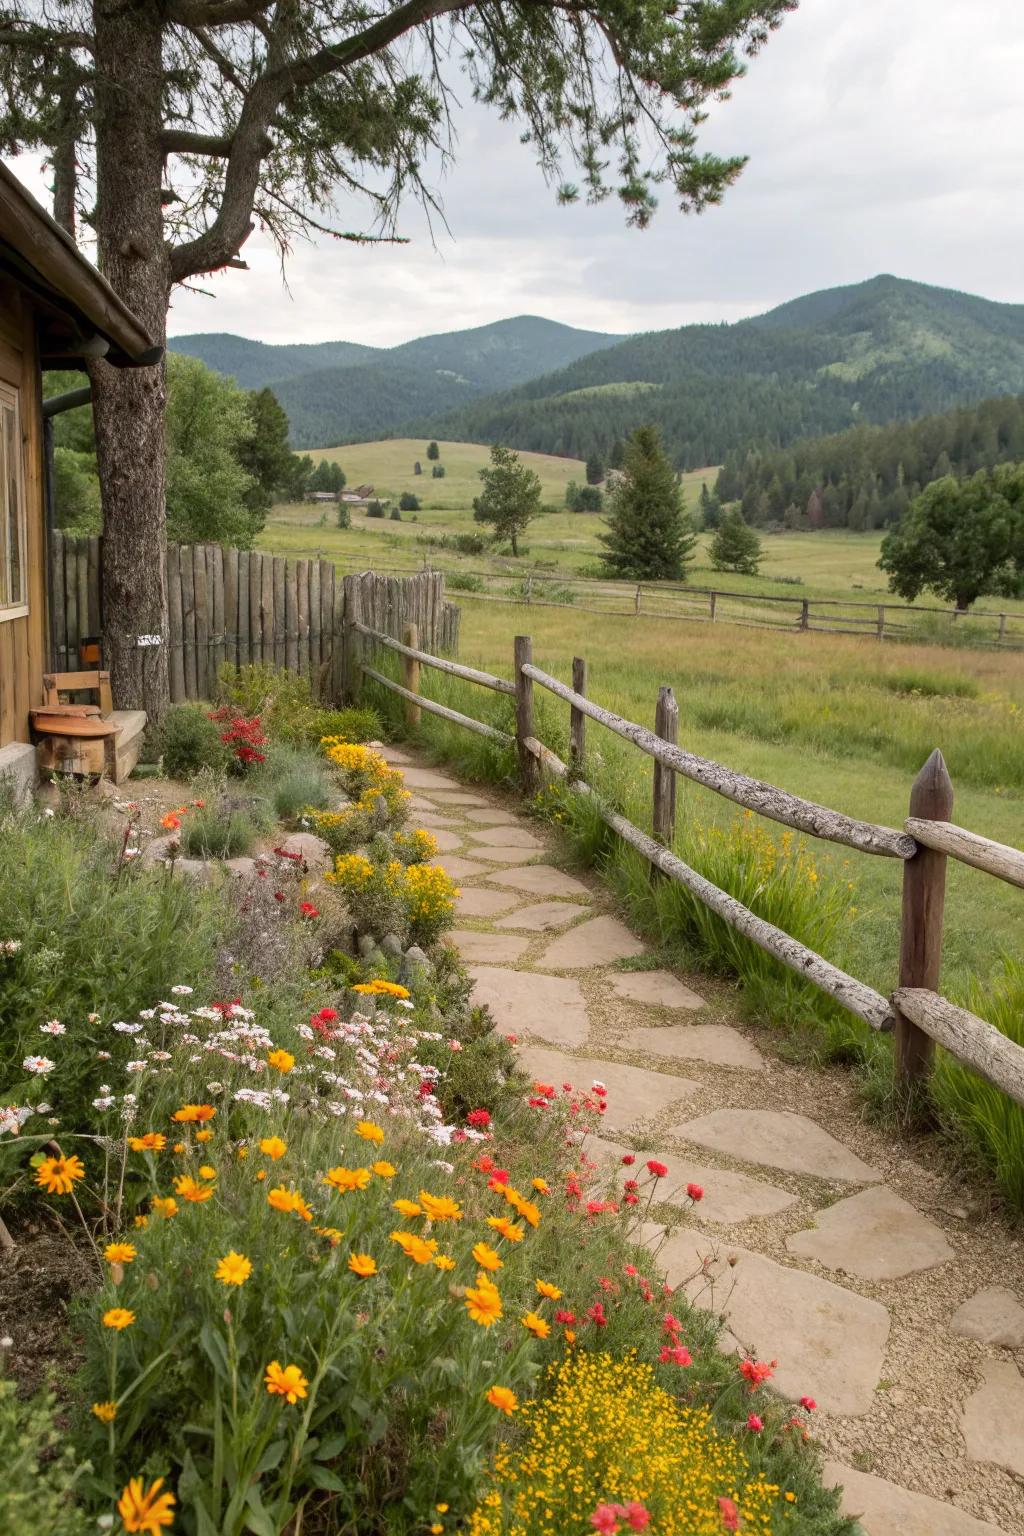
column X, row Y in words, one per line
column 394, row 755
column 415, row 956
column 492, row 816
column 778, row 1139
column 489, row 948
column 544, row 916
column 458, row 797
column 994, row 1316
column 420, row 803
column 600, row 942
column 522, row 1003
column 155, row 851
column 659, row 989
column 728, row 1197
column 634, row 1093
column 508, row 837
column 884, row 1509
column 829, row 1342
column 503, row 855
column 541, row 880
column 718, row 1043
column 447, row 842
column 875, row 1234
column 993, row 1417
column 314, row 852
column 374, row 960
column 427, row 778
column 193, row 869
column 480, row 901
column 432, row 818
column 366, row 944
column 391, row 945
column 242, row 868
column 459, row 868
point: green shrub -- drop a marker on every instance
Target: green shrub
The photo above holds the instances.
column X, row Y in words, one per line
column 408, row 502
column 38, row 1490
column 396, row 515
column 297, row 780
column 464, row 581
column 375, row 509
column 361, row 723
column 191, row 741
column 290, row 713
column 222, row 830
column 344, row 516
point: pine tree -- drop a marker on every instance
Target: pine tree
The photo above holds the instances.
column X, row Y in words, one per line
column 617, row 457
column 433, row 451
column 735, row 547
column 649, row 537
column 710, row 509
column 595, row 470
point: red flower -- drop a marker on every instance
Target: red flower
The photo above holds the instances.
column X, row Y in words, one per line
column 631, row 1199
column 637, row 1517
column 307, row 909
column 756, row 1371
column 425, row 1089
column 730, row 1514
column 659, row 1170
column 808, row 1403
column 755, row 1424
column 279, row 895
column 628, row 1159
column 459, row 1136
column 498, row 1177
column 671, row 1324
column 598, row 1207
column 631, row 1184
column 675, row 1354
column 564, row 1316
column 478, row 1117
column 484, row 1163
column 596, row 1314
column 695, row 1191
column 606, row 1519
column 283, row 853
column 631, row 1270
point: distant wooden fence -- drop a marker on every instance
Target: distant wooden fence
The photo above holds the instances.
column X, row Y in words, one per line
column 242, row 607
column 916, row 1011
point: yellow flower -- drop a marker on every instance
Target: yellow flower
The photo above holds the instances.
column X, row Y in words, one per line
column 369, row 1131
column 415, row 1248
column 206, row 1172
column 190, row 1113
column 261, row 1175
column 204, row 1135
column 522, row 1207
column 502, row 1398
column 542, row 1186
column 164, row 1205
column 273, row 1147
column 179, row 1147
column 439, row 1207
column 442, row 1261
column 506, row 1228
column 153, row 1141
column 289, row 1201
column 105, row 1412
column 389, row 989
column 233, row 1269
column 141, row 1220
column 442, row 1509
column 536, row 1325
column 190, row 1189
column 483, row 1302
column 58, row 1175
column 144, row 1509
column 546, row 1289
column 361, row 1264
column 407, row 1208
column 346, row 1179
column 384, row 1170
column 437, row 1529
column 281, row 1061
column 486, row 1257
column 119, row 1253
column 118, row 1317
column 333, row 1234
column 285, row 1381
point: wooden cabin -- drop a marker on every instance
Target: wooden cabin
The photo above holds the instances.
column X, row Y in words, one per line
column 56, row 311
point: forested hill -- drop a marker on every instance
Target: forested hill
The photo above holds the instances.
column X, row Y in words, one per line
column 866, row 476
column 338, row 390
column 878, row 351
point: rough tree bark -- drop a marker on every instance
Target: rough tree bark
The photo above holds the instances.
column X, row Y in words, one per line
column 128, row 403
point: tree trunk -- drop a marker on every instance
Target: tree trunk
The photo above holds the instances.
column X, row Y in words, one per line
column 128, row 403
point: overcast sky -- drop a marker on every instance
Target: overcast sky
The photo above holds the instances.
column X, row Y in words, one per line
column 884, row 136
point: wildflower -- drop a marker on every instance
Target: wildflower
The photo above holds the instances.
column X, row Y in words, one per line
column 546, row 1289
column 164, row 1205
column 105, row 1412
column 206, row 1172
column 808, row 1403
column 536, row 1325
column 153, row 1141
column 415, row 1248
column 506, row 1228
column 52, row 1027
column 695, row 1191
column 596, row 1313
column 628, row 1159
column 141, row 1220
column 541, row 1186
column 281, row 1061
column 170, row 822
column 563, row 1315
column 383, row 1170
column 38, row 1064
column 486, row 1257
column 119, row 1253
column 756, row 1371
column 190, row 1113
column 289, row 1201
column 730, row 1514
column 273, row 1147
column 636, row 1516
column 442, row 1261
column 178, row 1148
column 658, row 1170
column 483, row 1303
column 58, row 1175
column 233, row 1269
column 498, row 1177
column 754, row 1423
column 675, row 1354
column 190, row 1189
column 145, row 1509
column 407, row 1208
column 606, row 1519
column 307, row 910
column 440, row 1207
column 346, row 1179
column 502, row 1398
column 285, row 1381
column 361, row 1264
column 206, row 1135
column 118, row 1317
column 369, row 1131
column 479, row 1117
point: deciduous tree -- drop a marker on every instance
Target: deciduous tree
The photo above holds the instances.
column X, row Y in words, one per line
column 961, row 539
column 511, row 495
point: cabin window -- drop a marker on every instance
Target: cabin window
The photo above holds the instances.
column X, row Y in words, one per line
column 13, row 575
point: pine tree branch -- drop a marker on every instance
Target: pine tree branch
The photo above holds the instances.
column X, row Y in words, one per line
column 216, row 13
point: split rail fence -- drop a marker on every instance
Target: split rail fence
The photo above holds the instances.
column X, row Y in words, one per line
column 242, row 607
column 916, row 1011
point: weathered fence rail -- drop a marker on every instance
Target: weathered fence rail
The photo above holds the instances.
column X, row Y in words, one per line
column 243, row 606
column 918, row 1014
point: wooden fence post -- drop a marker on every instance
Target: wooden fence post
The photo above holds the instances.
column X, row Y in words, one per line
column 924, row 896
column 636, row 600
column 577, row 719
column 529, row 768
column 666, row 725
column 411, row 674
column 714, row 600
column 805, row 613
column 881, row 621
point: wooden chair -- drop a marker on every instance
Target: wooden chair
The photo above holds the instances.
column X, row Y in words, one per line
column 71, row 737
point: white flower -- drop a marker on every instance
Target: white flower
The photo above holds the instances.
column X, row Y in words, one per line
column 53, row 1027
column 147, row 1013
column 103, row 1103
column 135, row 1066
column 49, row 811
column 161, row 1055
column 131, row 853
column 43, row 1109
column 10, row 946
column 129, row 1098
column 92, row 1018
column 102, row 1055
column 38, row 1064
column 127, row 1029
column 182, row 991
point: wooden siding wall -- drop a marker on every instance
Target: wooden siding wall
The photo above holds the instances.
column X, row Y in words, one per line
column 243, row 607
column 23, row 642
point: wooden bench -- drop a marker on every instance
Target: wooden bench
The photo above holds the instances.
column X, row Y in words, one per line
column 91, row 738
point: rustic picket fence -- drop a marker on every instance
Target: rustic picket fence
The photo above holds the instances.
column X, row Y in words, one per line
column 245, row 607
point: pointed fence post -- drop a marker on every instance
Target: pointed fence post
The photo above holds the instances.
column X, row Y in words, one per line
column 411, row 675
column 666, row 725
column 924, row 897
column 577, row 719
column 529, row 768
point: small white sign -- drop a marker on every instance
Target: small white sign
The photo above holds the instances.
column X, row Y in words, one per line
column 144, row 640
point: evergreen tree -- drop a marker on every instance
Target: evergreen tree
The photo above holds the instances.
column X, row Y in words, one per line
column 510, row 497
column 266, row 455
column 327, row 477
column 433, row 451
column 710, row 509
column 595, row 470
column 649, row 537
column 735, row 547
column 617, row 457
column 417, row 468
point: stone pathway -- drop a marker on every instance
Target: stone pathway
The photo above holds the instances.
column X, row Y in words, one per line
column 885, row 1291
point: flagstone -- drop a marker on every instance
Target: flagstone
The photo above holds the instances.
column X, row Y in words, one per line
column 459, row 868
column 420, row 803
column 507, row 837
column 494, row 816
column 635, row 1094
column 434, row 818
column 397, row 756
column 447, row 842
column 778, row 1139
column 601, row 941
column 885, row 1509
column 427, row 778
column 455, row 796
column 481, row 901
column 719, row 1043
column 829, row 1342
column 503, row 855
column 728, row 1197
column 491, row 948
column 994, row 1316
column 659, row 989
column 993, row 1417
column 543, row 916
column 551, row 1007
column 541, row 880
column 875, row 1234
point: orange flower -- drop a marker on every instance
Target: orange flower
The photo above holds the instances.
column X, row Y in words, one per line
column 549, row 1291
column 541, row 1186
column 105, row 1412
column 346, row 1179
column 190, row 1189
column 141, row 1220
column 58, row 1175
column 273, row 1147
column 536, row 1325
column 170, row 822
column 384, row 1170
column 189, row 1113
column 285, row 1381
column 369, row 1131
column 486, row 1257
column 407, row 1208
column 334, row 1235
column 119, row 1253
column 281, row 1061
column 289, row 1201
column 206, row 1172
column 442, row 1261
column 206, row 1135
column 415, row 1248
column 233, row 1269
column 164, row 1205
column 439, row 1207
column 153, row 1141
column 361, row 1264
column 502, row 1398
column 483, row 1302
column 144, row 1509
column 506, row 1228
column 118, row 1317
